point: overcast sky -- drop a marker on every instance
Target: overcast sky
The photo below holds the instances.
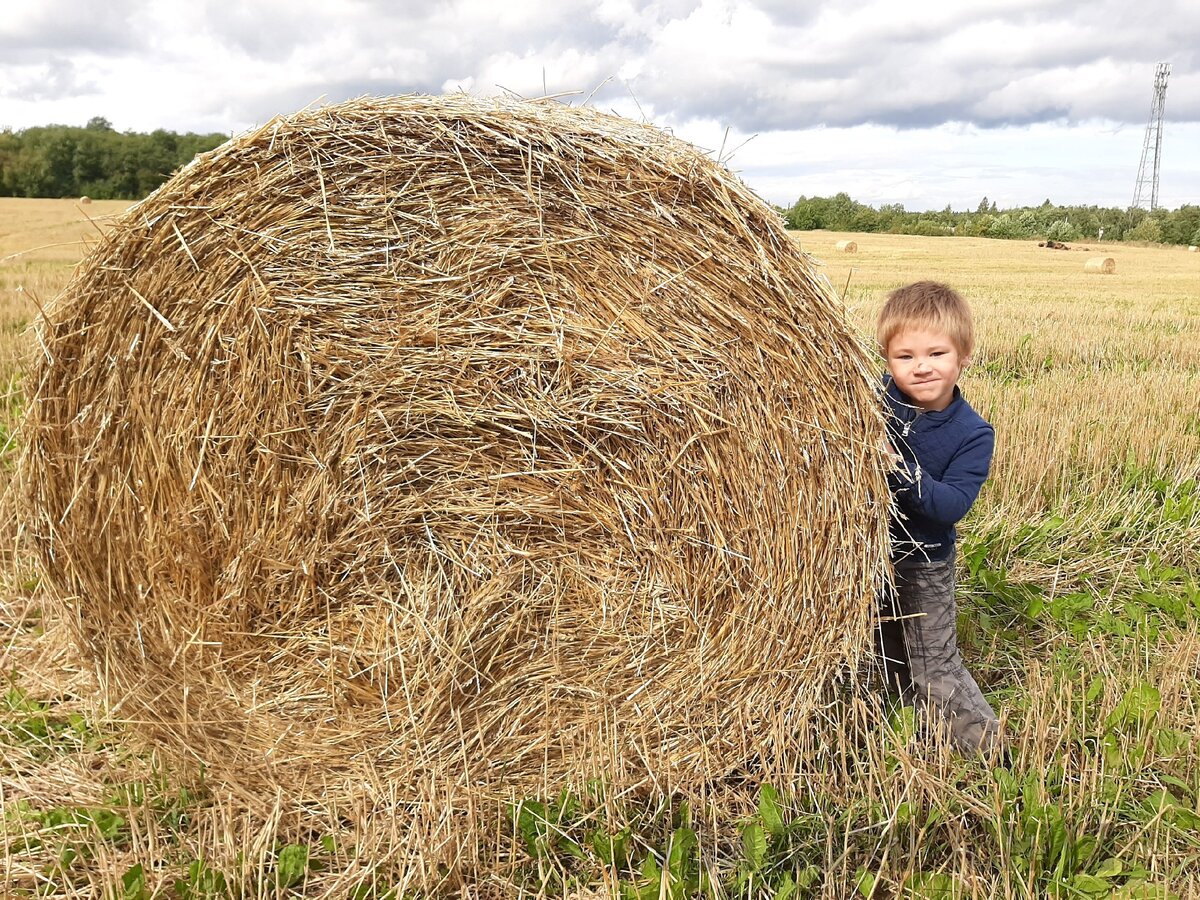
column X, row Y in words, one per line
column 894, row 101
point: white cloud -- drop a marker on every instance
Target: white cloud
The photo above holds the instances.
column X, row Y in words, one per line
column 987, row 81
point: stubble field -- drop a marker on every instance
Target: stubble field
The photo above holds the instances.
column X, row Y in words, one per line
column 1079, row 590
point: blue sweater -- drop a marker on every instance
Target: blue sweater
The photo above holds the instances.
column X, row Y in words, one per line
column 945, row 456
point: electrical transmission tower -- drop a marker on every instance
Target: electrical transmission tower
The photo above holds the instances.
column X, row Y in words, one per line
column 1146, row 188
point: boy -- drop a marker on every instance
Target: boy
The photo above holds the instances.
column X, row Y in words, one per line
column 943, row 450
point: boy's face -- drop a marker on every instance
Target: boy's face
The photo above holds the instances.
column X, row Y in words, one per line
column 925, row 365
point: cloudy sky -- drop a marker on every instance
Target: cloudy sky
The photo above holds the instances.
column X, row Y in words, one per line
column 915, row 102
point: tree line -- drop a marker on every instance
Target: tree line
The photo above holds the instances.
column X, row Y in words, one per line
column 95, row 160
column 102, row 163
column 1049, row 221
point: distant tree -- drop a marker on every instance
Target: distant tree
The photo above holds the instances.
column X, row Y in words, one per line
column 1004, row 226
column 63, row 161
column 1179, row 226
column 802, row 216
column 1062, row 230
column 1146, row 230
column 929, row 227
column 1064, row 223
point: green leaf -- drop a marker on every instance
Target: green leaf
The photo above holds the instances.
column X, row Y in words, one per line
column 770, row 811
column 1171, row 742
column 683, row 840
column 933, row 886
column 531, row 823
column 1160, row 802
column 1142, row 891
column 602, row 846
column 201, row 883
column 1140, row 704
column 292, row 865
column 808, row 876
column 864, row 881
column 133, row 883
column 786, row 888
column 1090, row 886
column 754, row 845
column 1110, row 868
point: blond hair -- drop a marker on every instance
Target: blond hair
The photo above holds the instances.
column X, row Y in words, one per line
column 928, row 306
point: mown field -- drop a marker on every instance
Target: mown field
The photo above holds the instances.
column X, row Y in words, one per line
column 1080, row 604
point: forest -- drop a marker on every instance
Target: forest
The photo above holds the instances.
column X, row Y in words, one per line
column 1049, row 221
column 104, row 164
column 94, row 161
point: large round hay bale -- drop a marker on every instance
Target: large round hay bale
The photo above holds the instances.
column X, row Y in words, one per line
column 846, row 246
column 1105, row 265
column 447, row 447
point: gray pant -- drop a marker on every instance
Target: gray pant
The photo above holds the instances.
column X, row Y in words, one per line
column 919, row 646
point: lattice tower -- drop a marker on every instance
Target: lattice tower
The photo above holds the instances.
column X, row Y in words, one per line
column 1147, row 179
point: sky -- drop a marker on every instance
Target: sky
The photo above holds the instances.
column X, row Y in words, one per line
column 921, row 103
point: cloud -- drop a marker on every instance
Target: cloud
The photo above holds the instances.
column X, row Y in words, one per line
column 713, row 71
column 993, row 64
column 30, row 29
column 54, row 79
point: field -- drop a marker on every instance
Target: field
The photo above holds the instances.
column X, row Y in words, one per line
column 1079, row 589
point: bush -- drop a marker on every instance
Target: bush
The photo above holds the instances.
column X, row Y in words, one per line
column 1146, row 230
column 930, row 228
column 1003, row 226
column 1062, row 230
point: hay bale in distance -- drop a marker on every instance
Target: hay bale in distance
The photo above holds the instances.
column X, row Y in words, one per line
column 1192, row 249
column 85, row 199
column 846, row 246
column 1105, row 265
column 447, row 448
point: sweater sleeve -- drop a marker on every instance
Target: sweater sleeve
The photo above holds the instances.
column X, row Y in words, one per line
column 947, row 501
